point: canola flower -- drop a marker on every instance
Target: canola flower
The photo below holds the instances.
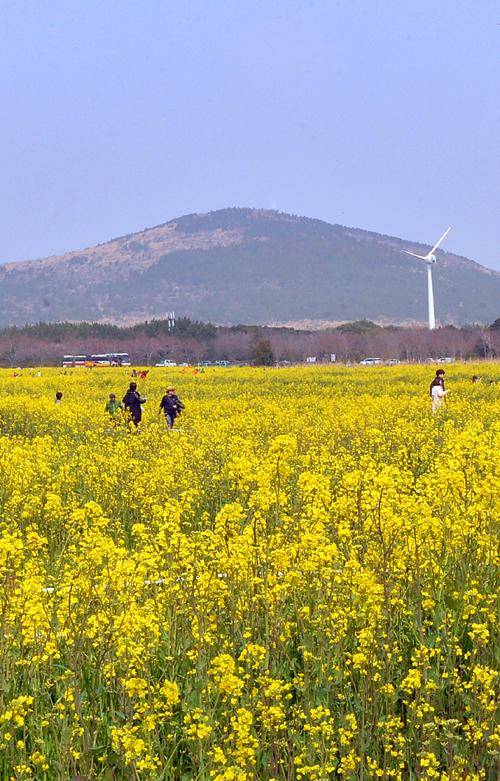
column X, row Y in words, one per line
column 300, row 583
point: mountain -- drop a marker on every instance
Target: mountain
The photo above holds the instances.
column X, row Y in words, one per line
column 247, row 266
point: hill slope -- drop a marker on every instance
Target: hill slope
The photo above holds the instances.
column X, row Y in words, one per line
column 247, row 265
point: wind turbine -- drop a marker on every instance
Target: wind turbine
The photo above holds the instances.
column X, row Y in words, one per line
column 430, row 258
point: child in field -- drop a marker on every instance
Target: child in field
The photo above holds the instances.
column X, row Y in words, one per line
column 58, row 398
column 438, row 380
column 112, row 405
column 437, row 397
column 171, row 406
column 438, row 391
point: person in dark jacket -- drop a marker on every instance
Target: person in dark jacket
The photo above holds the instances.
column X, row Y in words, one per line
column 177, row 401
column 171, row 406
column 438, row 380
column 132, row 402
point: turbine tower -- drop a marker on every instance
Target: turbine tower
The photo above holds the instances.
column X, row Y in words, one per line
column 430, row 258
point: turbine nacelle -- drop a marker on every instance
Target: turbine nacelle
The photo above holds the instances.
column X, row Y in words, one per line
column 430, row 257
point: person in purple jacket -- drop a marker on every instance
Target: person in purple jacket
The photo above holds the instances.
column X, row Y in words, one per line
column 132, row 403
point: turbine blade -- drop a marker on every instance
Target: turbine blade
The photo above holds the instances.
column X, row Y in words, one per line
column 422, row 257
column 439, row 242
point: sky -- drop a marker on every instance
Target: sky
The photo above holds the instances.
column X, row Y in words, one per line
column 121, row 115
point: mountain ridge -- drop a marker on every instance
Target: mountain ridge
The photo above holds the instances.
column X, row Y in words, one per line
column 246, row 265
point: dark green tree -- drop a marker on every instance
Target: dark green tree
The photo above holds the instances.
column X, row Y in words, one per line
column 262, row 353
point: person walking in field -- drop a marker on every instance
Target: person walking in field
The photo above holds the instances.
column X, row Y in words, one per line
column 437, row 390
column 133, row 402
column 178, row 402
column 171, row 406
column 58, row 399
column 112, row 405
column 438, row 380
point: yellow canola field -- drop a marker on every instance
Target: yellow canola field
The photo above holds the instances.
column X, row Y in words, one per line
column 299, row 583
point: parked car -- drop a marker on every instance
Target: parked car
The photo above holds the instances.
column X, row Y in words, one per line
column 448, row 359
column 166, row 362
column 370, row 361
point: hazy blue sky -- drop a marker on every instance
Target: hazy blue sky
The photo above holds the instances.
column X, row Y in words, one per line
column 379, row 114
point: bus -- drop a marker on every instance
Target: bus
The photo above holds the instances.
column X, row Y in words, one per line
column 110, row 359
column 74, row 360
column 97, row 359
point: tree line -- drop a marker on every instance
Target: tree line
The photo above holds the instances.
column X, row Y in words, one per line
column 193, row 341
